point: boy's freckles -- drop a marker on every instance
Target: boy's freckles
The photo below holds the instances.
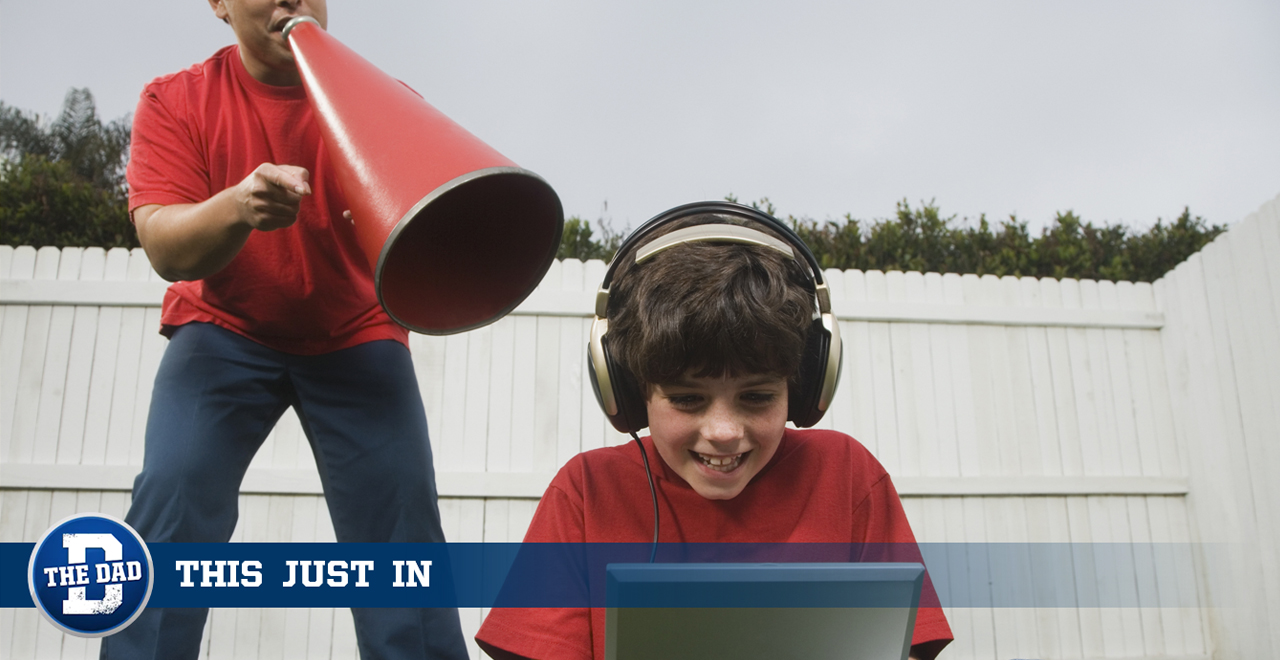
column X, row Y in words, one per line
column 718, row 433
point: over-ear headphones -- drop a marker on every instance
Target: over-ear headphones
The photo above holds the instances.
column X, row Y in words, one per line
column 618, row 393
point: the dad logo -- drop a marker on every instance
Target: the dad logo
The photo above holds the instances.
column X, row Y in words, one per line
column 90, row 575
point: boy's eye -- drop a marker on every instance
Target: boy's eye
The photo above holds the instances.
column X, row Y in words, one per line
column 684, row 400
column 759, row 398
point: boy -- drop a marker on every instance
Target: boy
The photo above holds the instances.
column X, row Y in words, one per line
column 707, row 333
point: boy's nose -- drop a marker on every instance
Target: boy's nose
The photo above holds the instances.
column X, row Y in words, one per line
column 721, row 425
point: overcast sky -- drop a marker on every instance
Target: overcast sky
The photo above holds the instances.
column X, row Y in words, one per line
column 1123, row 110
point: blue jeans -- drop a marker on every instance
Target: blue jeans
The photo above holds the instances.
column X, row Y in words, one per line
column 217, row 396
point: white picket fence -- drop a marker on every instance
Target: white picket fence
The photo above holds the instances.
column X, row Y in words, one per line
column 1007, row 409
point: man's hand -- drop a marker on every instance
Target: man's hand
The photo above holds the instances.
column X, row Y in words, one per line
column 192, row 241
column 269, row 197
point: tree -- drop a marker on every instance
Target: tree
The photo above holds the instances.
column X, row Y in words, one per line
column 62, row 183
column 576, row 241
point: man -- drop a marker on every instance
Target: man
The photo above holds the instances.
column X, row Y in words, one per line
column 273, row 306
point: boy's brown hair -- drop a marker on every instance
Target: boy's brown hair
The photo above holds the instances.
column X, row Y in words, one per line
column 709, row 310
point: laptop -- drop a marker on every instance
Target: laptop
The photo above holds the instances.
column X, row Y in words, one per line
column 841, row 611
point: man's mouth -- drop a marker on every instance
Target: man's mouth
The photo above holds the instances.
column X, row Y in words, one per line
column 278, row 26
column 721, row 463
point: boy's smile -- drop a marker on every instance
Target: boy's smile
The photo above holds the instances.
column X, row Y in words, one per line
column 718, row 433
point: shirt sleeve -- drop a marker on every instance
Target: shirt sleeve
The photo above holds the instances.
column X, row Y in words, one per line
column 544, row 633
column 888, row 538
column 167, row 163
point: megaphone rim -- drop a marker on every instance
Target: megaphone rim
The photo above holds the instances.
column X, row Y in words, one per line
column 295, row 22
column 403, row 223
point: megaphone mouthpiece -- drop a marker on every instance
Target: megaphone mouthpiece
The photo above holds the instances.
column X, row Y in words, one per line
column 295, row 22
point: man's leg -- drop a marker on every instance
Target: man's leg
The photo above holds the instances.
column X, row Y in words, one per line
column 216, row 397
column 363, row 413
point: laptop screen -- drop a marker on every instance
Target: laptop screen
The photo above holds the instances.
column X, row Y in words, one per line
column 749, row 611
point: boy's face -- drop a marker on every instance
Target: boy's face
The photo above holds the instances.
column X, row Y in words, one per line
column 258, row 25
column 718, row 433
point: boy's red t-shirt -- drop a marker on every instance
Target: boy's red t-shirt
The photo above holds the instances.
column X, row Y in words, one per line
column 305, row 289
column 821, row 487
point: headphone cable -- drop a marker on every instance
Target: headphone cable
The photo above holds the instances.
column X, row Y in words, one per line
column 652, row 493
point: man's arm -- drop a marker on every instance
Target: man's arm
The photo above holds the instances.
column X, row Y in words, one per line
column 193, row 241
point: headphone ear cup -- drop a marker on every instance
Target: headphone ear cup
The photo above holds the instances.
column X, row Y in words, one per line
column 805, row 395
column 633, row 414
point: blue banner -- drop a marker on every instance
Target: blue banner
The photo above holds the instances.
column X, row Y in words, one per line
column 573, row 575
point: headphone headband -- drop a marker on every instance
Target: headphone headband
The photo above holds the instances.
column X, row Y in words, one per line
column 713, row 233
column 716, row 208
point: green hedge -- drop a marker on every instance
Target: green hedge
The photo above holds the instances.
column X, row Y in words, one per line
column 921, row 239
column 43, row 202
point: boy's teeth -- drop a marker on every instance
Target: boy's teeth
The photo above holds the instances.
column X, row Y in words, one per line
column 724, row 463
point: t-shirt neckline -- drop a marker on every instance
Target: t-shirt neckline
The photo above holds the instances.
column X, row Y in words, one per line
column 259, row 88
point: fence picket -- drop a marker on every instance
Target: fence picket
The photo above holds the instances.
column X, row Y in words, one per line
column 904, row 390
column 1064, row 402
column 960, row 615
column 1043, row 405
column 53, row 380
column 953, row 287
column 1241, row 514
column 573, row 342
column 1146, row 582
column 1251, row 322
column 452, row 425
column 478, row 404
column 1194, row 624
column 13, row 510
column 28, row 626
column 986, row 643
column 1015, row 389
column 982, row 343
column 120, row 433
column 1121, row 400
column 927, row 438
column 857, row 383
column 497, row 441
column 428, row 353
column 887, row 445
column 524, row 385
column 102, row 379
column 1172, row 453
column 943, row 402
column 546, row 390
column 31, row 364
column 75, row 405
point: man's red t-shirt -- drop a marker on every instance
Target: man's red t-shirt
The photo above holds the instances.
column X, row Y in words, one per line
column 820, row 487
column 305, row 289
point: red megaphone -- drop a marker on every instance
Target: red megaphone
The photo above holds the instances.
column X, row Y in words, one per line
column 458, row 234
